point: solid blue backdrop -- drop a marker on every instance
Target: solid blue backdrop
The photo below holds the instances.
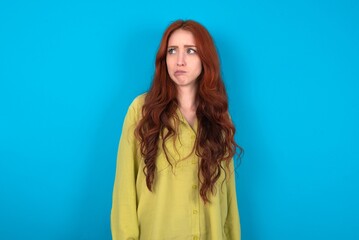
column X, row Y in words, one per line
column 69, row 70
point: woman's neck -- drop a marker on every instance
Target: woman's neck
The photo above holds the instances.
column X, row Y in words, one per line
column 187, row 104
column 186, row 97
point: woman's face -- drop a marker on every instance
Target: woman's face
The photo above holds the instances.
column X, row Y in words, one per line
column 183, row 63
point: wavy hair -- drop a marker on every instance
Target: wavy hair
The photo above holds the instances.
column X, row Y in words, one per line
column 215, row 137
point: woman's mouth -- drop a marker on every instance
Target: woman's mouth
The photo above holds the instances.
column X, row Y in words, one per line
column 179, row 72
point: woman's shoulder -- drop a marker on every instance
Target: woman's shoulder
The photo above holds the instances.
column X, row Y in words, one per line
column 137, row 103
column 139, row 100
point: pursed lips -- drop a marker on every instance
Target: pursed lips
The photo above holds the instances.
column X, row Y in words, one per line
column 179, row 72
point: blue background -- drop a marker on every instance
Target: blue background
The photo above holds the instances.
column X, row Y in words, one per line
column 69, row 70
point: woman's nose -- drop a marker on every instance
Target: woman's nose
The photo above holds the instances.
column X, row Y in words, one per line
column 181, row 59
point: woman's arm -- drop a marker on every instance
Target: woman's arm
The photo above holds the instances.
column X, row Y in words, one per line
column 232, row 226
column 124, row 223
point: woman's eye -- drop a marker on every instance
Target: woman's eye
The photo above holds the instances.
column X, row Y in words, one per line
column 191, row 51
column 171, row 51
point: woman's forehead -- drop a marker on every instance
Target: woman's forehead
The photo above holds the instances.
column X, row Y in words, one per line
column 181, row 37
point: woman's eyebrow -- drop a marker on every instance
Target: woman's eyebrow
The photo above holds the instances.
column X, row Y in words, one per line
column 186, row 46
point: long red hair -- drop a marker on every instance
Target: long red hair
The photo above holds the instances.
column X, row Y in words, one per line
column 215, row 137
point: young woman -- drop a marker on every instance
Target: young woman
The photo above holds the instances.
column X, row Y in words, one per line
column 175, row 174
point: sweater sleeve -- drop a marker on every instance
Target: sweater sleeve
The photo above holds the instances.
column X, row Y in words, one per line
column 232, row 226
column 124, row 223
